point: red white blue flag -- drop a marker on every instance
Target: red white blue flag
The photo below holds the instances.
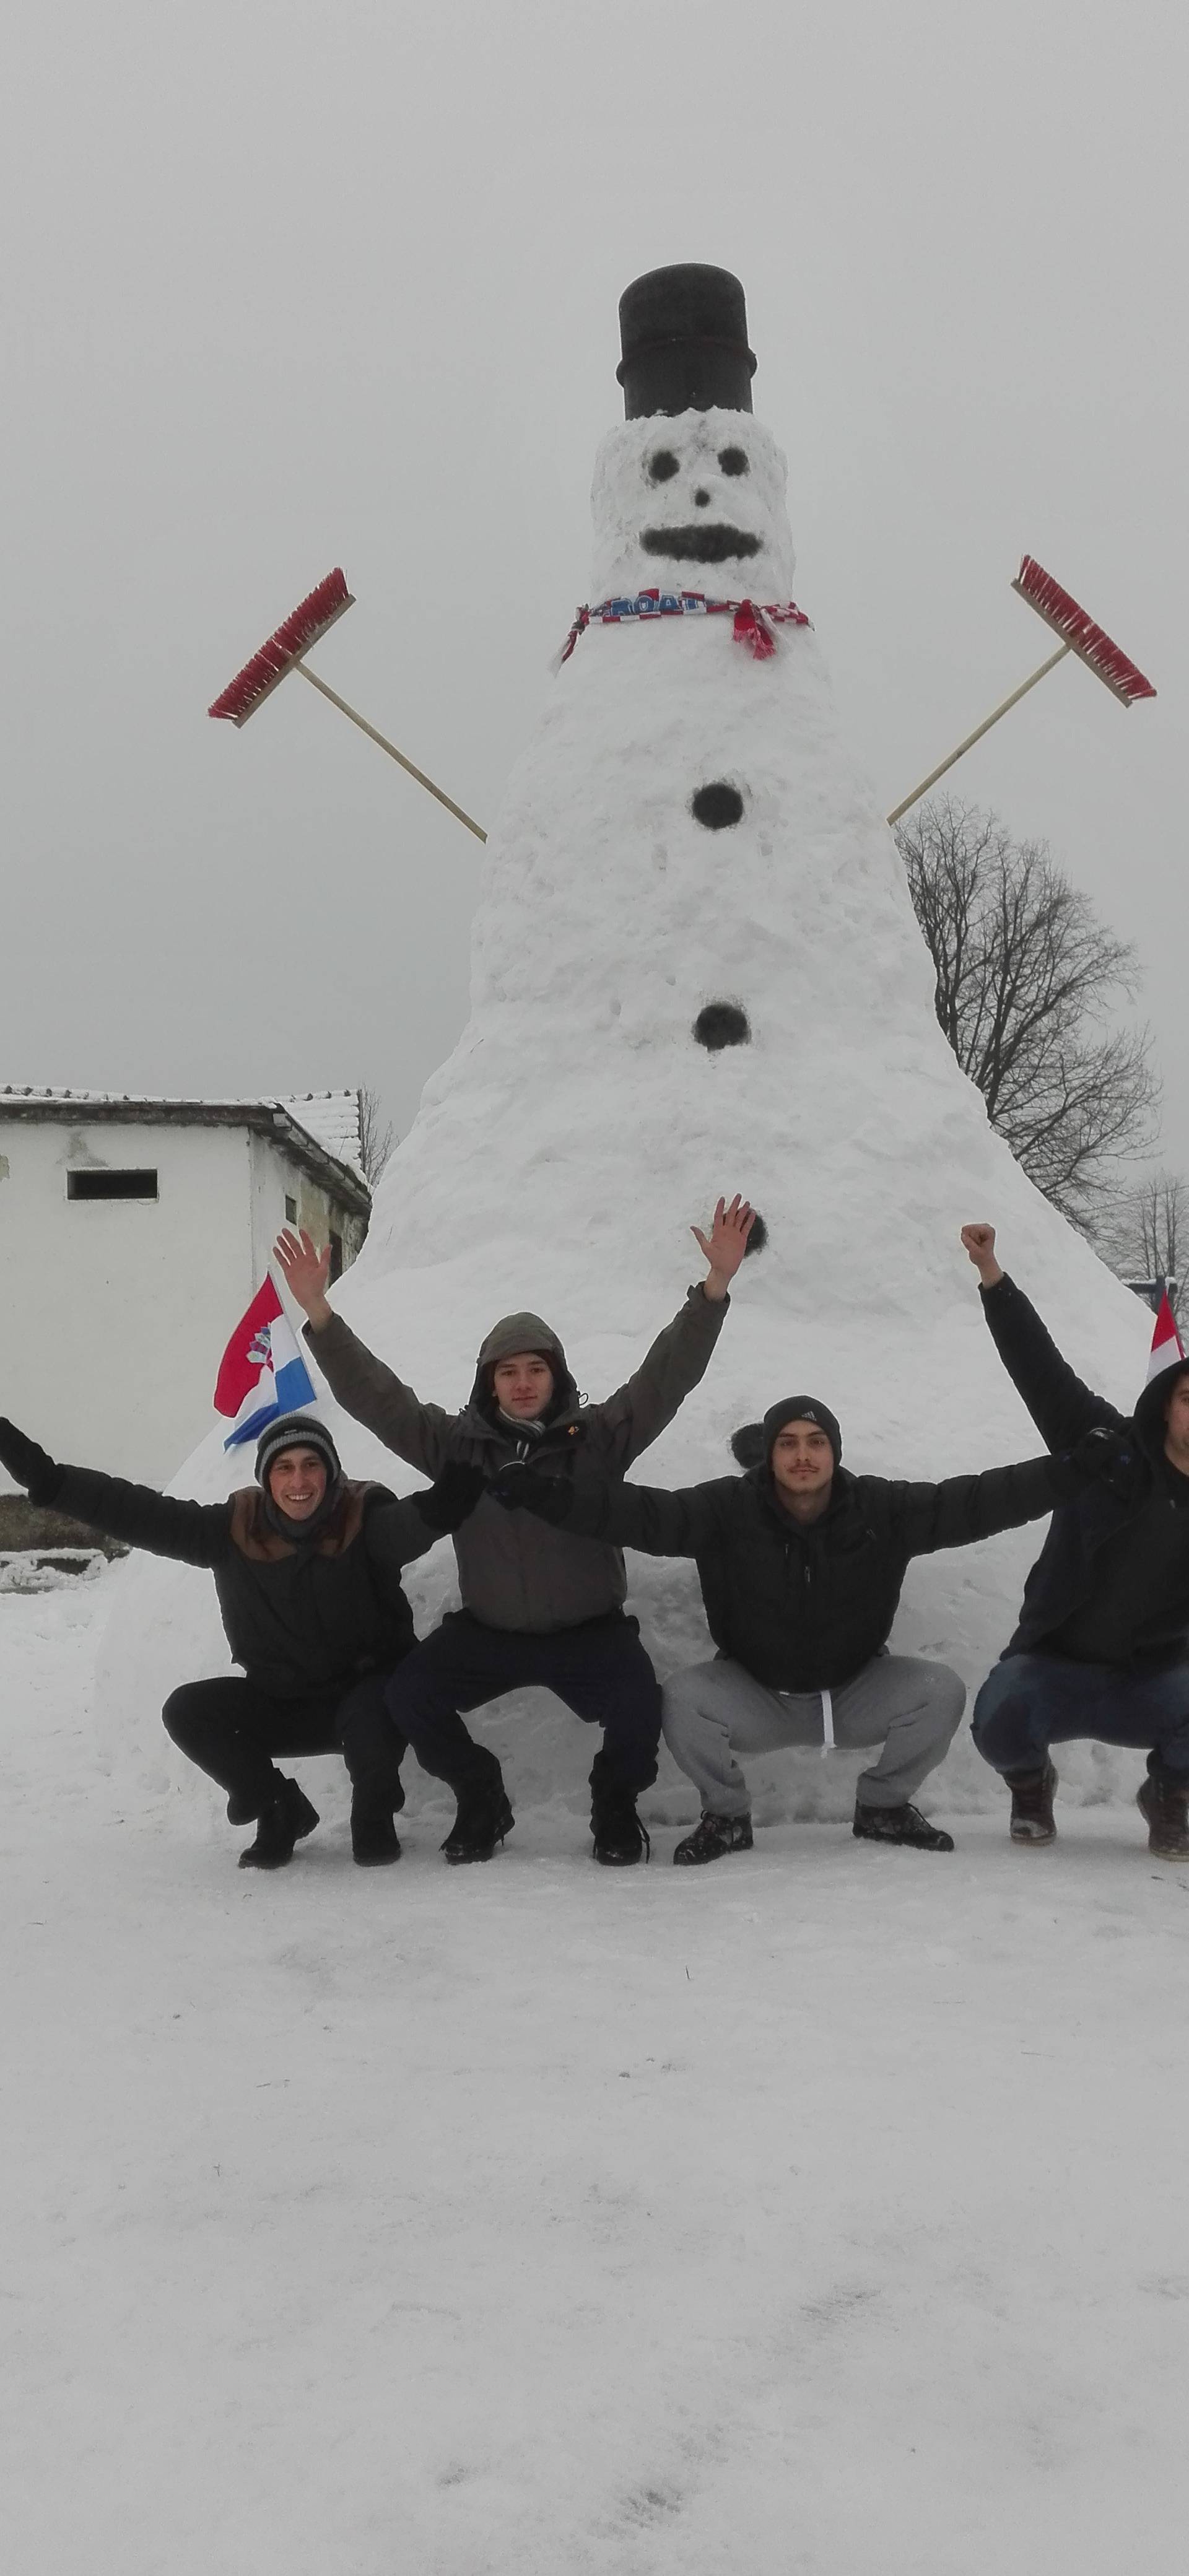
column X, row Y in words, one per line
column 262, row 1373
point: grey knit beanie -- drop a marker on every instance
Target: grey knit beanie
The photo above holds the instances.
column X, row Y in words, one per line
column 296, row 1431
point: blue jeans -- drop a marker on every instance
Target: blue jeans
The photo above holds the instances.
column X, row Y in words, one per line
column 1032, row 1701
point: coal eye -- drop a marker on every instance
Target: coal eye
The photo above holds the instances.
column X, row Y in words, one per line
column 721, row 1024
column 717, row 805
column 733, row 461
column 663, row 466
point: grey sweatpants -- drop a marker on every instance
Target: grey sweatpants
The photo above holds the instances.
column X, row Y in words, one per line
column 911, row 1707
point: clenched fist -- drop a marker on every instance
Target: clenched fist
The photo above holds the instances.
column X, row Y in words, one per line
column 978, row 1241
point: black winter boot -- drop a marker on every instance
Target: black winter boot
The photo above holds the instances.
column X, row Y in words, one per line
column 484, row 1817
column 1164, row 1806
column 1032, row 1818
column 373, row 1831
column 714, row 1836
column 619, row 1837
column 900, row 1825
column 280, row 1825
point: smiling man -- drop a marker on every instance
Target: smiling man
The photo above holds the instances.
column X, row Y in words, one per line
column 307, row 1570
column 1102, row 1646
column 801, row 1566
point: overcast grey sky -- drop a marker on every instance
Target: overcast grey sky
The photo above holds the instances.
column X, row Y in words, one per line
column 303, row 284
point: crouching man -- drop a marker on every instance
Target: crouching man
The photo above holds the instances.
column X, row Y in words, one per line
column 1102, row 1646
column 539, row 1608
column 801, row 1566
column 307, row 1572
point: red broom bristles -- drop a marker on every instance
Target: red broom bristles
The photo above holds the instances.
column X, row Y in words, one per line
column 292, row 639
column 1079, row 631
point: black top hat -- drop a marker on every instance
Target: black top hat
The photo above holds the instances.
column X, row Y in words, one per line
column 684, row 335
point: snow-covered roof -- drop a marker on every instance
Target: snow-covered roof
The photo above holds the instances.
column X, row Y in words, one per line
column 332, row 1118
column 318, row 1127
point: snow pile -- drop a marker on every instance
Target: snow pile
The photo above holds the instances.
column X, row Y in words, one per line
column 560, row 1155
column 47, row 1570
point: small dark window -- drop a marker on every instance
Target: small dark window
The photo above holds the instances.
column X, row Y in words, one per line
column 336, row 1256
column 663, row 466
column 733, row 461
column 111, row 1185
column 290, row 1211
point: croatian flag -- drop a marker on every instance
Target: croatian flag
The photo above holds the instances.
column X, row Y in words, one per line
column 262, row 1373
column 1167, row 1347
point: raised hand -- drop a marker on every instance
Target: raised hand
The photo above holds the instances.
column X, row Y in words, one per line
column 726, row 1244
column 978, row 1241
column 306, row 1272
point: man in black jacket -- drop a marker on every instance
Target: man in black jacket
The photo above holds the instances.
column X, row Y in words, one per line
column 307, row 1570
column 1102, row 1646
column 801, row 1566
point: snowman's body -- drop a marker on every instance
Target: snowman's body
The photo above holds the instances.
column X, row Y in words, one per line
column 560, row 1155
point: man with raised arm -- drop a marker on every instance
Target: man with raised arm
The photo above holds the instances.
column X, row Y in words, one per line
column 307, row 1571
column 801, row 1566
column 540, row 1609
column 1102, row 1646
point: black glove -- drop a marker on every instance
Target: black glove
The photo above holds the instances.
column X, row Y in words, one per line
column 1096, row 1458
column 452, row 1497
column 30, row 1466
column 522, row 1487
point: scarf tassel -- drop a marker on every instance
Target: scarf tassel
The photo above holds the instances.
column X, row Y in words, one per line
column 752, row 628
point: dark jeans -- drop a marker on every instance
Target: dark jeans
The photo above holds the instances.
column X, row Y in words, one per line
column 1032, row 1701
column 600, row 1670
column 232, row 1730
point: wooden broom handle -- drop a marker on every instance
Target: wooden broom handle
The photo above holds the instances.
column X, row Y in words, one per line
column 979, row 731
column 393, row 753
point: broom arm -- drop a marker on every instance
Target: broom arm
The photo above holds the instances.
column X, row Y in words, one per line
column 979, row 731
column 390, row 748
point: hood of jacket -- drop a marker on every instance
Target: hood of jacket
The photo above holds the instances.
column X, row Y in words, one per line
column 1149, row 1412
column 521, row 1332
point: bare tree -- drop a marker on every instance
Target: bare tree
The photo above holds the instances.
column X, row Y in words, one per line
column 376, row 1136
column 1140, row 1234
column 1028, row 978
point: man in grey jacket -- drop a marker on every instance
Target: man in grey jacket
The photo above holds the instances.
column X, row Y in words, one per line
column 540, row 1608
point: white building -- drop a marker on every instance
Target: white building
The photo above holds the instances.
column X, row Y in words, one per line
column 133, row 1234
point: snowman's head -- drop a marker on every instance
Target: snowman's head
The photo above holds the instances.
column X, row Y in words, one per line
column 695, row 502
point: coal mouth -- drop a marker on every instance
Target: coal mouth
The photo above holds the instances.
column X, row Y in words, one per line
column 699, row 544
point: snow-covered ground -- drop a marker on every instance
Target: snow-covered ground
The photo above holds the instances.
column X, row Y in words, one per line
column 821, row 2214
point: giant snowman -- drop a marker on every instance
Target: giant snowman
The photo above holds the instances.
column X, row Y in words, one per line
column 695, row 969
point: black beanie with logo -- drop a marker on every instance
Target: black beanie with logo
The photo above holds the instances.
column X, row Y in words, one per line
column 754, row 1442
